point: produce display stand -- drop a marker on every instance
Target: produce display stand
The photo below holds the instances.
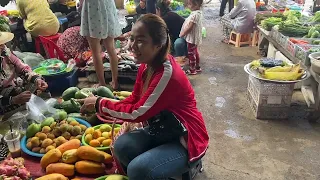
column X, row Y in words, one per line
column 310, row 88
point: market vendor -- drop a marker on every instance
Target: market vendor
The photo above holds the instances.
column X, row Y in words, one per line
column 141, row 7
column 240, row 19
column 72, row 44
column 39, row 19
column 174, row 23
column 164, row 99
column 16, row 78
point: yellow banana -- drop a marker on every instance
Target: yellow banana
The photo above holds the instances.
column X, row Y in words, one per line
column 280, row 69
column 283, row 76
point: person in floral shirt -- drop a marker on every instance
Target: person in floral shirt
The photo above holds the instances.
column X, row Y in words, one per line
column 17, row 80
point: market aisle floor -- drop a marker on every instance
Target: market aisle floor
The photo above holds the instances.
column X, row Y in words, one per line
column 242, row 147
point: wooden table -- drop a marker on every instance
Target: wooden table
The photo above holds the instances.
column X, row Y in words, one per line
column 310, row 88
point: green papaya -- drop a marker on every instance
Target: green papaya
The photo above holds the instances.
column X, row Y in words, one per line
column 69, row 93
column 70, row 107
column 104, row 92
column 81, row 95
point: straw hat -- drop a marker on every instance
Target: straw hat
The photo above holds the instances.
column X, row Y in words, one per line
column 5, row 37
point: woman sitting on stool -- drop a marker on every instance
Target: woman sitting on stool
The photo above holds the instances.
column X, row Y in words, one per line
column 240, row 19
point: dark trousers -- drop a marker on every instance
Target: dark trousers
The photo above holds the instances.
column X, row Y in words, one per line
column 224, row 5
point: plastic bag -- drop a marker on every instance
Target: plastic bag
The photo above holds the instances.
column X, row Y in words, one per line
column 19, row 121
column 38, row 109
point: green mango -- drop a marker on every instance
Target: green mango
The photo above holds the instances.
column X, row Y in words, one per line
column 61, row 115
column 47, row 122
column 33, row 129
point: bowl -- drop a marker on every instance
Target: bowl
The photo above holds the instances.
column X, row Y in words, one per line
column 97, row 127
column 23, row 142
column 315, row 63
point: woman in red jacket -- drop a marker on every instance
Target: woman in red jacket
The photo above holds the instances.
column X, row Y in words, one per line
column 174, row 133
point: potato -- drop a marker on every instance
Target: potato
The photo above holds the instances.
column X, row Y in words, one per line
column 49, row 148
column 35, row 142
column 46, row 129
column 66, row 135
column 29, row 145
column 76, row 130
column 51, row 136
column 42, row 151
column 56, row 132
column 47, row 142
column 41, row 135
column 36, row 149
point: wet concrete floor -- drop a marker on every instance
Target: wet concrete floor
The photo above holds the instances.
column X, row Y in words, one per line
column 242, row 147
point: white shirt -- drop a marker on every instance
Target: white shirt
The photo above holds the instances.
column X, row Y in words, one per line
column 195, row 35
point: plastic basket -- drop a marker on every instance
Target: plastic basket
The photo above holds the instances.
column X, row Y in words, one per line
column 302, row 53
column 291, row 47
column 269, row 94
column 282, row 40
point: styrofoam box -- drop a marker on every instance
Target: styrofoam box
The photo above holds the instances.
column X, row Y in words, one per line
column 282, row 57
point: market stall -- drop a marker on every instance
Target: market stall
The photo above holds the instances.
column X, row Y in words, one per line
column 291, row 34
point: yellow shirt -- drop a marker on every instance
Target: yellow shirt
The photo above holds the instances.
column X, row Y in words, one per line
column 39, row 19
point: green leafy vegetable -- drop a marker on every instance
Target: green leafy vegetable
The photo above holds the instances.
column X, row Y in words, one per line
column 270, row 22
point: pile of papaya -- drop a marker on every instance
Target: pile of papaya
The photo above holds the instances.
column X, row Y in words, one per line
column 277, row 70
column 70, row 158
column 70, row 104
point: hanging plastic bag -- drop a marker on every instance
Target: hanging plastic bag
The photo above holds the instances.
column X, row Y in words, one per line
column 38, row 109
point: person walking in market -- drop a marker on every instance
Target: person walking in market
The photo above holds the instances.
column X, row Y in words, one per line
column 174, row 133
column 99, row 22
column 224, row 5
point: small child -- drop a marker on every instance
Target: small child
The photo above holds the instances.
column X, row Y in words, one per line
column 192, row 32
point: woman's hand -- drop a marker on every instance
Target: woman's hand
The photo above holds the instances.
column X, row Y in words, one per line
column 89, row 104
column 41, row 85
column 22, row 98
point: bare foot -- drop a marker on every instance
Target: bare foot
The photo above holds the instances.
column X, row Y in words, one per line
column 114, row 85
column 98, row 85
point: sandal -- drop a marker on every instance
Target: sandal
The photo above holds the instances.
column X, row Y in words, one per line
column 198, row 69
column 190, row 72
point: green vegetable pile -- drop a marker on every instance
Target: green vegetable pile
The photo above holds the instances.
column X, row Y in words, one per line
column 261, row 17
column 293, row 30
column 4, row 24
column 269, row 23
column 175, row 4
column 184, row 13
column 316, row 17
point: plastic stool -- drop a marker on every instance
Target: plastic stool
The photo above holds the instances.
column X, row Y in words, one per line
column 53, row 38
column 51, row 49
column 239, row 39
column 255, row 38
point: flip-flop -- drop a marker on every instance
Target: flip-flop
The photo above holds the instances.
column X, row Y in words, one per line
column 189, row 72
column 198, row 70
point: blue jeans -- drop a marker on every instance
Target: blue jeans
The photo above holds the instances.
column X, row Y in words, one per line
column 145, row 157
column 180, row 47
column 151, row 6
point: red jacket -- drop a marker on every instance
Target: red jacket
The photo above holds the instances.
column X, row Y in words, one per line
column 169, row 89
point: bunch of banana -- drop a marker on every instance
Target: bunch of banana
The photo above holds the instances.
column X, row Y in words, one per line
column 286, row 73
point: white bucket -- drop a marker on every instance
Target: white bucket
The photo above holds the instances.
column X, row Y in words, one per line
column 315, row 62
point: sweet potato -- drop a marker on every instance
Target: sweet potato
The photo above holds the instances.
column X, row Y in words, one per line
column 107, row 158
column 51, row 156
column 90, row 153
column 72, row 144
column 61, row 168
column 54, row 176
column 89, row 167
